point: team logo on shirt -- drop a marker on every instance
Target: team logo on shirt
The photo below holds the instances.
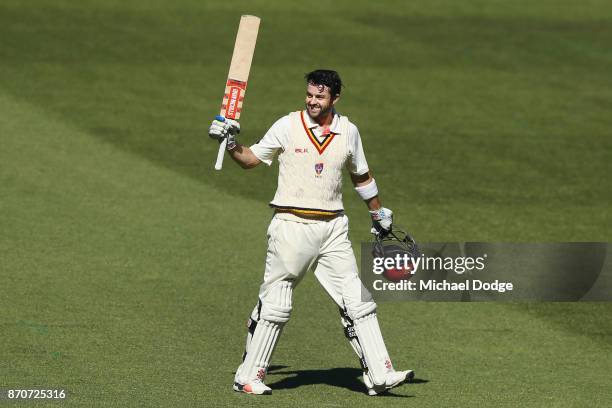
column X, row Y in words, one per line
column 319, row 168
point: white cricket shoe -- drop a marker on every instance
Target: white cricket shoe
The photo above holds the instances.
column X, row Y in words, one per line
column 394, row 378
column 256, row 387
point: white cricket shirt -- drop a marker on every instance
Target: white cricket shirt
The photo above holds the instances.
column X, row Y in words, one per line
column 276, row 140
column 300, row 144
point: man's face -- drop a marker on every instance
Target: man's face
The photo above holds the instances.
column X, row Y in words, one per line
column 319, row 101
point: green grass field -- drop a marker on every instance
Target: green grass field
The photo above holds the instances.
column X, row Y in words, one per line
column 128, row 266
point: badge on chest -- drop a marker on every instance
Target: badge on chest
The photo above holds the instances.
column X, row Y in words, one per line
column 318, row 169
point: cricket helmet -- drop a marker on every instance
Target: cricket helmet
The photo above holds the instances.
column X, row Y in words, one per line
column 396, row 242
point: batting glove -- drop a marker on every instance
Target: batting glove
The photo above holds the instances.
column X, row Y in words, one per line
column 222, row 128
column 382, row 221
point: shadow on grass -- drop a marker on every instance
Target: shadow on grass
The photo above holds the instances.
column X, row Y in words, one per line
column 348, row 378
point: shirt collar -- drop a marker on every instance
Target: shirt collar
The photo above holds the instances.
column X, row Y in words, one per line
column 334, row 127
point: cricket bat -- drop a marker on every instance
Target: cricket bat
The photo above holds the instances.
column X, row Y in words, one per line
column 236, row 84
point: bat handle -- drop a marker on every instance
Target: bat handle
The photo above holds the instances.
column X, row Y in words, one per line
column 221, row 152
column 221, row 155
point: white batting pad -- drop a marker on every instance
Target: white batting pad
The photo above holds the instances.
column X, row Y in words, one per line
column 275, row 312
column 373, row 348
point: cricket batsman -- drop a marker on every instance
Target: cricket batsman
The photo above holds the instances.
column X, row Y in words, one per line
column 309, row 230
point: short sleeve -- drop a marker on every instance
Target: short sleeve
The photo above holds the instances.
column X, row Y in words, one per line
column 357, row 163
column 275, row 138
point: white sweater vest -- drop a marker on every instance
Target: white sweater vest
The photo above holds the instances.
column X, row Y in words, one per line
column 310, row 172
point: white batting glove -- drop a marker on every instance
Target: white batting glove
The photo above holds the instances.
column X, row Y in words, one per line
column 222, row 129
column 382, row 221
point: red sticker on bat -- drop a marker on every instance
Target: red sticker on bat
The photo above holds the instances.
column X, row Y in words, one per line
column 235, row 95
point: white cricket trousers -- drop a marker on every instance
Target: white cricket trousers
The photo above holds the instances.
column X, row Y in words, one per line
column 295, row 247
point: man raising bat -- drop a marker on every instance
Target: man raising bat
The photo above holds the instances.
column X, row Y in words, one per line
column 310, row 230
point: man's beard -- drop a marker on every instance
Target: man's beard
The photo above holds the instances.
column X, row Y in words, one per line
column 321, row 114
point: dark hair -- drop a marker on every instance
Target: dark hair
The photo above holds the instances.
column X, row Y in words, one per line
column 326, row 77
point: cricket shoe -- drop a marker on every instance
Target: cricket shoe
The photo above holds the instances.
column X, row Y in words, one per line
column 256, row 387
column 394, row 378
